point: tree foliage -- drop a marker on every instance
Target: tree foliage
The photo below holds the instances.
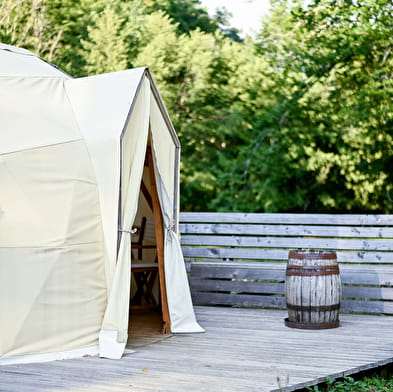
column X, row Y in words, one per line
column 187, row 15
column 298, row 119
column 326, row 144
column 25, row 23
column 113, row 37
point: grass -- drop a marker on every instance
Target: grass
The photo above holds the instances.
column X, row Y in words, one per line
column 374, row 383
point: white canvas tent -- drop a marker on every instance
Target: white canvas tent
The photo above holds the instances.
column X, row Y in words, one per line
column 72, row 155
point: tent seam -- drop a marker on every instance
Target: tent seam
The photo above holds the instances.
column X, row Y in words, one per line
column 51, row 247
column 43, row 146
column 31, row 77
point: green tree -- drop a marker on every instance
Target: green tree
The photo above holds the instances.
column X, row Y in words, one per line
column 74, row 18
column 187, row 15
column 25, row 24
column 113, row 38
column 198, row 75
column 53, row 29
column 326, row 143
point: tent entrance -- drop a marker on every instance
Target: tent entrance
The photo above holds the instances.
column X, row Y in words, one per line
column 148, row 304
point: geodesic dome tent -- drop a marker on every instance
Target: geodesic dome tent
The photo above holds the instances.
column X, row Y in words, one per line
column 73, row 156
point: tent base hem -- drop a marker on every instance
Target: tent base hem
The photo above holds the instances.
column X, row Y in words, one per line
column 48, row 357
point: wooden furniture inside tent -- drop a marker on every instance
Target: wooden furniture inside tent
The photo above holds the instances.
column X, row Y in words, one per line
column 150, row 236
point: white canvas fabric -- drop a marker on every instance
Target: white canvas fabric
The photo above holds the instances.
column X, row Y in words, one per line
column 133, row 155
column 25, row 64
column 48, row 357
column 178, row 293
column 52, row 286
column 101, row 105
column 71, row 163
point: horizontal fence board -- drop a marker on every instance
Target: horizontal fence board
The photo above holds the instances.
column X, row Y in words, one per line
column 237, row 286
column 371, row 277
column 380, row 293
column 356, row 268
column 295, row 242
column 235, row 253
column 324, row 219
column 365, row 257
column 279, row 254
column 238, row 300
column 377, row 307
column 239, row 271
column 285, row 230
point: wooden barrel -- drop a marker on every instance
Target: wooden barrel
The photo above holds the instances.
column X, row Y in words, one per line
column 313, row 289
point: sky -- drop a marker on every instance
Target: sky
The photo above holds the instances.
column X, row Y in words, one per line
column 247, row 14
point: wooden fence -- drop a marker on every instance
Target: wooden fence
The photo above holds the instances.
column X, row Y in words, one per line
column 237, row 259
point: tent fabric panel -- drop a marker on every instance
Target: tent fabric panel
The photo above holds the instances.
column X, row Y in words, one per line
column 52, row 283
column 49, row 197
column 134, row 144
column 164, row 112
column 114, row 333
column 178, row 292
column 164, row 147
column 21, row 62
column 38, row 104
column 101, row 105
column 16, row 50
column 54, row 301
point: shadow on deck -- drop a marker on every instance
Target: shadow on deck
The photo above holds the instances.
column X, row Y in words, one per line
column 242, row 350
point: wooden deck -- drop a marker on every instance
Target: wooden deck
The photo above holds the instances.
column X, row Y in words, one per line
column 242, row 350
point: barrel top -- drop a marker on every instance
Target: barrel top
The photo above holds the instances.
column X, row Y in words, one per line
column 312, row 254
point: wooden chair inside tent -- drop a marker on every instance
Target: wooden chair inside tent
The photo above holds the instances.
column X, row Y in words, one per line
column 146, row 271
column 144, row 266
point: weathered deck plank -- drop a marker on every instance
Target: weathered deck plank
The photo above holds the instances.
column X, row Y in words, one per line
column 242, row 350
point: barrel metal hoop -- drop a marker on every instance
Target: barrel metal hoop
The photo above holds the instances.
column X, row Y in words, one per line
column 325, row 308
column 311, row 273
column 332, row 324
column 312, row 255
column 298, row 270
column 312, row 267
